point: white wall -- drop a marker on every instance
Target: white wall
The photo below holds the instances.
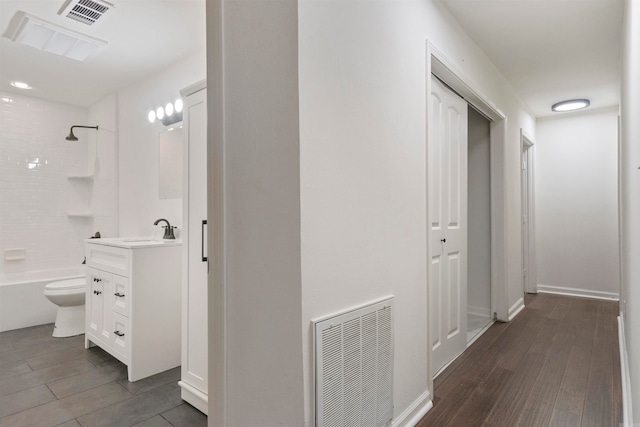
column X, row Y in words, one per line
column 479, row 216
column 355, row 177
column 139, row 203
column 362, row 162
column 577, row 203
column 35, row 193
column 630, row 194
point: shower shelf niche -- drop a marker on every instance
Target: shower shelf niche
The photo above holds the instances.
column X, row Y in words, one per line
column 83, row 182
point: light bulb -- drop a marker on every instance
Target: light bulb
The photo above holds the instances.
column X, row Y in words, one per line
column 169, row 109
column 160, row 113
column 151, row 116
column 178, row 104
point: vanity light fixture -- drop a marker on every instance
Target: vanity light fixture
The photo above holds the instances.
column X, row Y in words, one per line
column 20, row 85
column 168, row 115
column 570, row 105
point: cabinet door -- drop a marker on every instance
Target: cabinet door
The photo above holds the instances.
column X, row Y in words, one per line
column 99, row 313
column 194, row 361
column 95, row 307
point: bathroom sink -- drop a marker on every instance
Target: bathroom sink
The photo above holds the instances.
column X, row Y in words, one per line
column 134, row 242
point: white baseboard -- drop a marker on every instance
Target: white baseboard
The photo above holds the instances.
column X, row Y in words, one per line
column 479, row 311
column 627, row 410
column 516, row 309
column 414, row 413
column 576, row 292
column 195, row 397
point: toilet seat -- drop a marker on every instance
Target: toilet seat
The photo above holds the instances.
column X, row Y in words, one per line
column 66, row 285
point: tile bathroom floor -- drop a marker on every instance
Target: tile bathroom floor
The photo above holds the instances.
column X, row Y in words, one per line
column 46, row 382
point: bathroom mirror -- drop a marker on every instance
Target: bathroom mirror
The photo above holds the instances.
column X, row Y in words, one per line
column 170, row 163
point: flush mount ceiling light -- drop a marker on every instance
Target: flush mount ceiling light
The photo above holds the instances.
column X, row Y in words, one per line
column 20, row 85
column 35, row 32
column 570, row 105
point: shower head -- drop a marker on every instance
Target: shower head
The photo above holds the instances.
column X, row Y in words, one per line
column 72, row 137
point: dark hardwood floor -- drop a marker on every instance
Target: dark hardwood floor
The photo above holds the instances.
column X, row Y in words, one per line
column 555, row 364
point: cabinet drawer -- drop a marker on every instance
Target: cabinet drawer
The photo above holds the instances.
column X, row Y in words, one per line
column 120, row 336
column 120, row 295
column 108, row 258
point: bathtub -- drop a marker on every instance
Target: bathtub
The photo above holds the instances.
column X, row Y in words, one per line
column 22, row 302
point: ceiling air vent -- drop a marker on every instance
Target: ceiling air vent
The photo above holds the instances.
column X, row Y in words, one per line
column 86, row 11
column 37, row 33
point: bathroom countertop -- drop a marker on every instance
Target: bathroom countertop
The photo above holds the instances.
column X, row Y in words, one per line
column 133, row 242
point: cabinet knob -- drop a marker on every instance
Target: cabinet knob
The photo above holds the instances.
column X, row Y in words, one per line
column 119, row 295
column 118, row 333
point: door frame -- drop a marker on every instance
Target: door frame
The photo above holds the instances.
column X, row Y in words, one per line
column 527, row 146
column 216, row 221
column 439, row 65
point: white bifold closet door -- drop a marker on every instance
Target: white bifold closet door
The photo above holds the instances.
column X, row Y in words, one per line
column 447, row 198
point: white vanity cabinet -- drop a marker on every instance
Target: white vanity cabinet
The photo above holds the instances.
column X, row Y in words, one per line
column 194, row 381
column 133, row 303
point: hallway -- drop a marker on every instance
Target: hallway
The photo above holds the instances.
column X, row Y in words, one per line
column 555, row 364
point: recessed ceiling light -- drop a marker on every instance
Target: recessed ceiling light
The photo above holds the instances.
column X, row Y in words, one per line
column 20, row 85
column 7, row 99
column 570, row 105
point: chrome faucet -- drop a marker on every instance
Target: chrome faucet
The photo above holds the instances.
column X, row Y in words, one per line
column 168, row 229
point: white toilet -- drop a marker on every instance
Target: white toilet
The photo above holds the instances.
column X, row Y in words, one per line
column 68, row 295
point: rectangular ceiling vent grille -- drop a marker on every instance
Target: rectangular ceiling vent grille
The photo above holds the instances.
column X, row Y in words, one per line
column 354, row 367
column 85, row 11
column 37, row 33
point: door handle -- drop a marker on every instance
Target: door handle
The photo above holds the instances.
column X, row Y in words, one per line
column 443, row 240
column 204, row 258
column 118, row 333
column 119, row 295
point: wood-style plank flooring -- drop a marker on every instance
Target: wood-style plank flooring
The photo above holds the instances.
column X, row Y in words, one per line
column 555, row 364
column 46, row 381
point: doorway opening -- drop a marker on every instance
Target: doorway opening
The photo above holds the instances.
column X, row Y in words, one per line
column 479, row 315
column 529, row 282
column 455, row 79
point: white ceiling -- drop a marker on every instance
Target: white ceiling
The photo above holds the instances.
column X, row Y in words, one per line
column 549, row 50
column 144, row 36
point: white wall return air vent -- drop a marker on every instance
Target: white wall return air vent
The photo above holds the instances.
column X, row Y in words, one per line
column 354, row 367
column 86, row 11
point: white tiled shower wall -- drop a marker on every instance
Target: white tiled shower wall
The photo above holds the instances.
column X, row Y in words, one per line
column 35, row 192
